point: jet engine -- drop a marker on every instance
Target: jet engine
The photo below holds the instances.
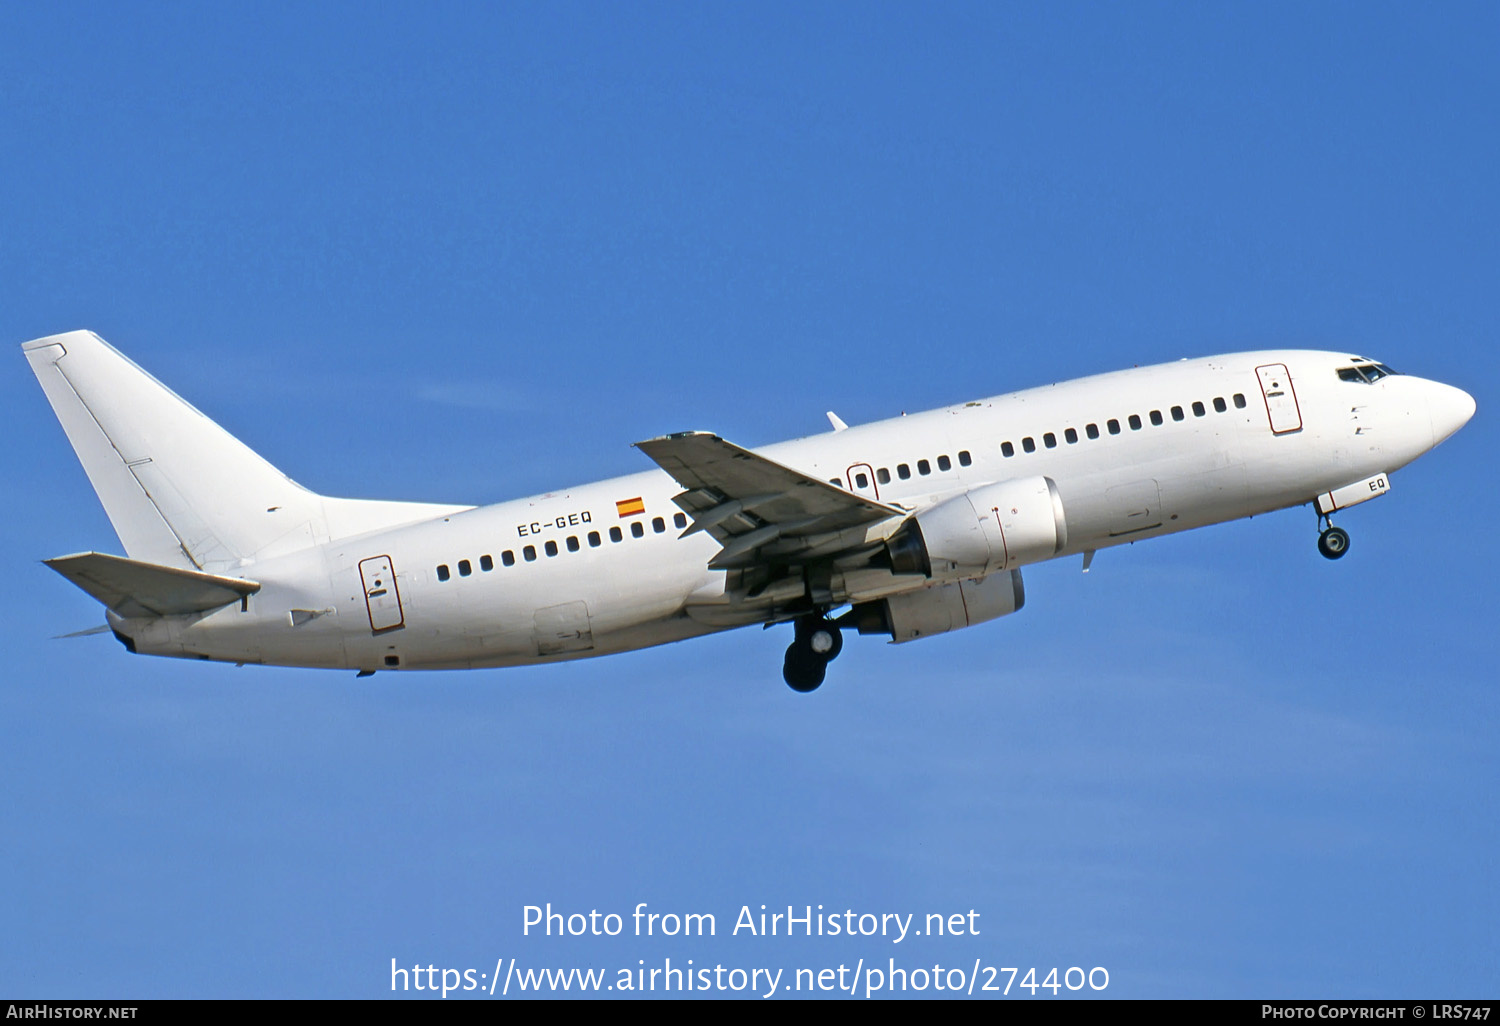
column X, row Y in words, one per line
column 984, row 530
column 940, row 608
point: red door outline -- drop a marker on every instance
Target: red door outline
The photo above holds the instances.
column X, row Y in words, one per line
column 382, row 598
column 874, row 485
column 1282, row 408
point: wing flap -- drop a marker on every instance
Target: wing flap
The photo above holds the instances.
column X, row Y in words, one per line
column 131, row 587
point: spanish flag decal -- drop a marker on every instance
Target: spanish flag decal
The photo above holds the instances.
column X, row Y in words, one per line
column 630, row 507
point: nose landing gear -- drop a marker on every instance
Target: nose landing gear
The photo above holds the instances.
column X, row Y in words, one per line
column 816, row 644
column 1333, row 542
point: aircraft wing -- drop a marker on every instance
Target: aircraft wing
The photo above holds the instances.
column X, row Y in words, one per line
column 753, row 506
column 131, row 587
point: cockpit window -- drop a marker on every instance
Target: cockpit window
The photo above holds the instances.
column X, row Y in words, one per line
column 1368, row 373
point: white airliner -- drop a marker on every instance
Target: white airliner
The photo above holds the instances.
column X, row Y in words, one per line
column 919, row 525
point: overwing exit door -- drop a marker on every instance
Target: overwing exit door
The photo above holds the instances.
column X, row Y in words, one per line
column 1281, row 400
column 381, row 597
column 861, row 478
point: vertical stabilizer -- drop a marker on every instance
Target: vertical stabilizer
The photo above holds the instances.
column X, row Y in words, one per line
column 180, row 490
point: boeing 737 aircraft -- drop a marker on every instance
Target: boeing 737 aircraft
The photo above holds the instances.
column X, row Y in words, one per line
column 907, row 527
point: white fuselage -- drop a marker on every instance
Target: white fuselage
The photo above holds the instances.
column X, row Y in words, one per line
column 1134, row 454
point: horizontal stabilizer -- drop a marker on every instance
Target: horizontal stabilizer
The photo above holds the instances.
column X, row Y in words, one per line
column 130, row 587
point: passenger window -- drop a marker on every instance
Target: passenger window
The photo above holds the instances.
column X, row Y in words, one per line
column 486, row 564
column 1049, row 440
column 1028, row 443
column 1006, row 449
column 679, row 520
column 529, row 552
column 964, row 459
column 883, row 476
column 442, row 571
column 836, row 481
column 1092, row 430
column 594, row 539
column 1219, row 405
column 550, row 548
column 1198, row 410
column 464, row 568
column 573, row 545
column 614, row 534
column 1114, row 427
column 1177, row 413
column 903, row 471
column 924, row 468
column 1239, row 401
column 861, row 481
column 1156, row 418
column 637, row 530
column 658, row 524
column 944, row 463
column 1135, row 422
column 1070, row 436
column 508, row 558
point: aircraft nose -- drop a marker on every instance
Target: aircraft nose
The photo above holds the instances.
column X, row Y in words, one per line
column 1450, row 409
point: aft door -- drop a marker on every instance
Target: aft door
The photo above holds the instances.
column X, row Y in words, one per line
column 1281, row 400
column 381, row 597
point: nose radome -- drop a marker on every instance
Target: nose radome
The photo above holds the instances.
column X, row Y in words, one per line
column 1450, row 409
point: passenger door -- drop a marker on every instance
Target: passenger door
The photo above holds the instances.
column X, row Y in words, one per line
column 382, row 600
column 1281, row 399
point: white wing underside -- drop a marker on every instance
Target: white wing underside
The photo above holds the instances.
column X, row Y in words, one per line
column 762, row 512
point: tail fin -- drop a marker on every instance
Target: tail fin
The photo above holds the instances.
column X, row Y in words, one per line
column 180, row 490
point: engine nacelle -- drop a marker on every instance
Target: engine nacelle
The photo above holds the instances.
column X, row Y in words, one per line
column 941, row 608
column 984, row 530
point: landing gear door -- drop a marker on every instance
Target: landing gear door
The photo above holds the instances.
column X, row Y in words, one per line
column 381, row 597
column 1281, row 400
column 861, row 478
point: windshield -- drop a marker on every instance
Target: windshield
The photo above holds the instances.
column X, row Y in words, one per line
column 1367, row 373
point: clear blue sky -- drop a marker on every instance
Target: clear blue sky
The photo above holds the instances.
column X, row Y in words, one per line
column 467, row 252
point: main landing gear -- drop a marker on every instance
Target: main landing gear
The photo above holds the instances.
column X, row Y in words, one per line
column 1333, row 542
column 817, row 643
